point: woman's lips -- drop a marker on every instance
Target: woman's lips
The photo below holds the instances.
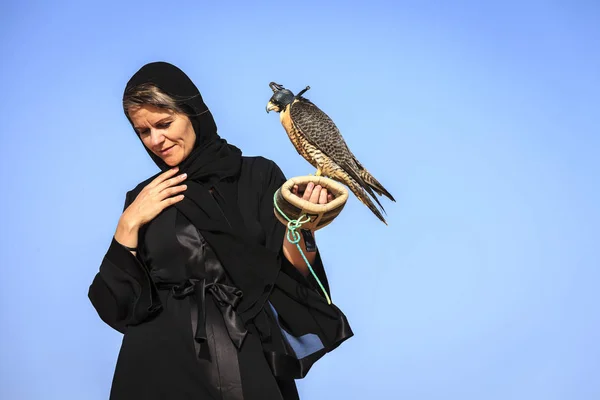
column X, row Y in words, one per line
column 166, row 151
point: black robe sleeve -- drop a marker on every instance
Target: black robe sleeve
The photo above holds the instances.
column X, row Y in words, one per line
column 122, row 291
column 310, row 325
column 276, row 231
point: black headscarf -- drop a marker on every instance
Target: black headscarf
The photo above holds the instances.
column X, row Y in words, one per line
column 213, row 166
column 212, row 158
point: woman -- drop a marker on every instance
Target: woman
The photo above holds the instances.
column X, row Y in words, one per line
column 212, row 301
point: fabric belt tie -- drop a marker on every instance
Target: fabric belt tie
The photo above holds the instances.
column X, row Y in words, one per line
column 226, row 298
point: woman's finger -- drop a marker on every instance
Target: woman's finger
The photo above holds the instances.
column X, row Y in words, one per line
column 314, row 196
column 169, row 192
column 163, row 177
column 171, row 200
column 308, row 191
column 295, row 190
column 323, row 196
column 171, row 182
column 174, row 190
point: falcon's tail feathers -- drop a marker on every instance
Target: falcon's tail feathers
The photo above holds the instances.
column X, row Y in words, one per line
column 357, row 178
column 370, row 180
column 364, row 198
column 375, row 185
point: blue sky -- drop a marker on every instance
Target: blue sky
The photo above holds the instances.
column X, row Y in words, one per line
column 479, row 117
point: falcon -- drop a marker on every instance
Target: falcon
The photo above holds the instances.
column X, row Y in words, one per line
column 318, row 140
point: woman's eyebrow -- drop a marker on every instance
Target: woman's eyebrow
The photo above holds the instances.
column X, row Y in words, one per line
column 137, row 128
column 162, row 120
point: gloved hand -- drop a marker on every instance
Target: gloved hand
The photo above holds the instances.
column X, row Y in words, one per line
column 289, row 200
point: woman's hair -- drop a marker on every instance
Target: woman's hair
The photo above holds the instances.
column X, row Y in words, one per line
column 149, row 94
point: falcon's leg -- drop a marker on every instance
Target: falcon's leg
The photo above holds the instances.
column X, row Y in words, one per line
column 319, row 172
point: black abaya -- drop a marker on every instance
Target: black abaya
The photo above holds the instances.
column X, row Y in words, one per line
column 209, row 307
column 154, row 300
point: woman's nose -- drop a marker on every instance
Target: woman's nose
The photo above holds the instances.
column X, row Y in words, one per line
column 156, row 137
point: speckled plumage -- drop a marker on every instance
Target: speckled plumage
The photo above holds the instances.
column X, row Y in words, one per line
column 318, row 140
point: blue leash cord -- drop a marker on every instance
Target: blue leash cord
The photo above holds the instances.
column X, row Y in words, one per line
column 293, row 236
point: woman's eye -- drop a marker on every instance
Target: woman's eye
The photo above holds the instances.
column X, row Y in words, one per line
column 143, row 132
column 164, row 125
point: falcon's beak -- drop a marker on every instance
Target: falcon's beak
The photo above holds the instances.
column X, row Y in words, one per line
column 272, row 107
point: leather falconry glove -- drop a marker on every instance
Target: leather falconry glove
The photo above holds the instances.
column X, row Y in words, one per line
column 316, row 215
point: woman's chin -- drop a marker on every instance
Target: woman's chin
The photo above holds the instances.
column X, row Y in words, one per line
column 172, row 160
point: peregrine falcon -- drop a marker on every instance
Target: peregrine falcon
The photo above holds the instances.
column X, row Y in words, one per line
column 319, row 141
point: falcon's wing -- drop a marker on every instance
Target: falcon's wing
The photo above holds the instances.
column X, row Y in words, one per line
column 320, row 131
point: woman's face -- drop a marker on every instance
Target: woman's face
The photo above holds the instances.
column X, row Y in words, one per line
column 165, row 133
